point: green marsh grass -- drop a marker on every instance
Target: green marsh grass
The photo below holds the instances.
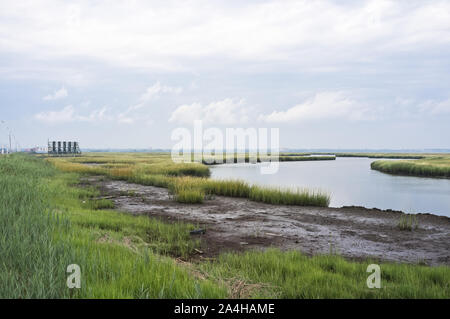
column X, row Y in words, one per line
column 44, row 227
column 296, row 154
column 32, row 263
column 190, row 196
column 231, row 188
column 101, row 204
column 429, row 167
column 277, row 274
column 187, row 182
column 385, row 155
column 283, row 157
column 291, row 158
column 280, row 196
column 193, row 190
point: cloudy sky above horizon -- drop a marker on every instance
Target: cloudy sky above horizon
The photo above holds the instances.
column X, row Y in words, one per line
column 124, row 74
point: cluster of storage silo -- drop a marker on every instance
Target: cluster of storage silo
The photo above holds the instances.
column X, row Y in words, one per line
column 63, row 147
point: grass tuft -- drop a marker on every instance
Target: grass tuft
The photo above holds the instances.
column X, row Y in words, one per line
column 279, row 196
column 408, row 222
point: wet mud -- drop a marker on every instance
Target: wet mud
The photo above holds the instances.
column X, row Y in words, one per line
column 235, row 224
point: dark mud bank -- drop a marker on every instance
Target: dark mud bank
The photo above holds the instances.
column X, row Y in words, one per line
column 239, row 224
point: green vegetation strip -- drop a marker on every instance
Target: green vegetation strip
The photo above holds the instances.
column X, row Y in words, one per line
column 47, row 222
column 306, row 158
column 283, row 157
column 187, row 182
column 428, row 167
column 383, row 155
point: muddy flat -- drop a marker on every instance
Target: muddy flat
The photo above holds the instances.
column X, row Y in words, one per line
column 235, row 224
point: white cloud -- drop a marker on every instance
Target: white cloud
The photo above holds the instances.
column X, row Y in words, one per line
column 95, row 115
column 125, row 118
column 224, row 112
column 180, row 35
column 432, row 107
column 156, row 89
column 323, row 105
column 62, row 116
column 68, row 114
column 343, row 106
column 265, row 50
column 59, row 94
column 418, row 109
column 129, row 116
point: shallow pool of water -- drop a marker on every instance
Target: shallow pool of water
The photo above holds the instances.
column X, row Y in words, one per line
column 350, row 181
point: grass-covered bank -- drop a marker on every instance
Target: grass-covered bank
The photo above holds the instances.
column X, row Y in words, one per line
column 46, row 224
column 125, row 256
column 32, row 261
column 294, row 275
column 194, row 190
column 427, row 167
column 188, row 182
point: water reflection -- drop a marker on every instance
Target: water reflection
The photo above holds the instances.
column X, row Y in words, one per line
column 350, row 181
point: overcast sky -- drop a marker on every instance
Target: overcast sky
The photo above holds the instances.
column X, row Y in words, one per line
column 329, row 74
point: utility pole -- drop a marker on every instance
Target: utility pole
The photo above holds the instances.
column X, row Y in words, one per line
column 10, row 135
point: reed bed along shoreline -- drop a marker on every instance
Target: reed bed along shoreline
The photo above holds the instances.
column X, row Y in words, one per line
column 427, row 167
column 385, row 155
column 48, row 223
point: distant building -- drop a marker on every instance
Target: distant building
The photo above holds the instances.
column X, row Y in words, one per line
column 63, row 148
